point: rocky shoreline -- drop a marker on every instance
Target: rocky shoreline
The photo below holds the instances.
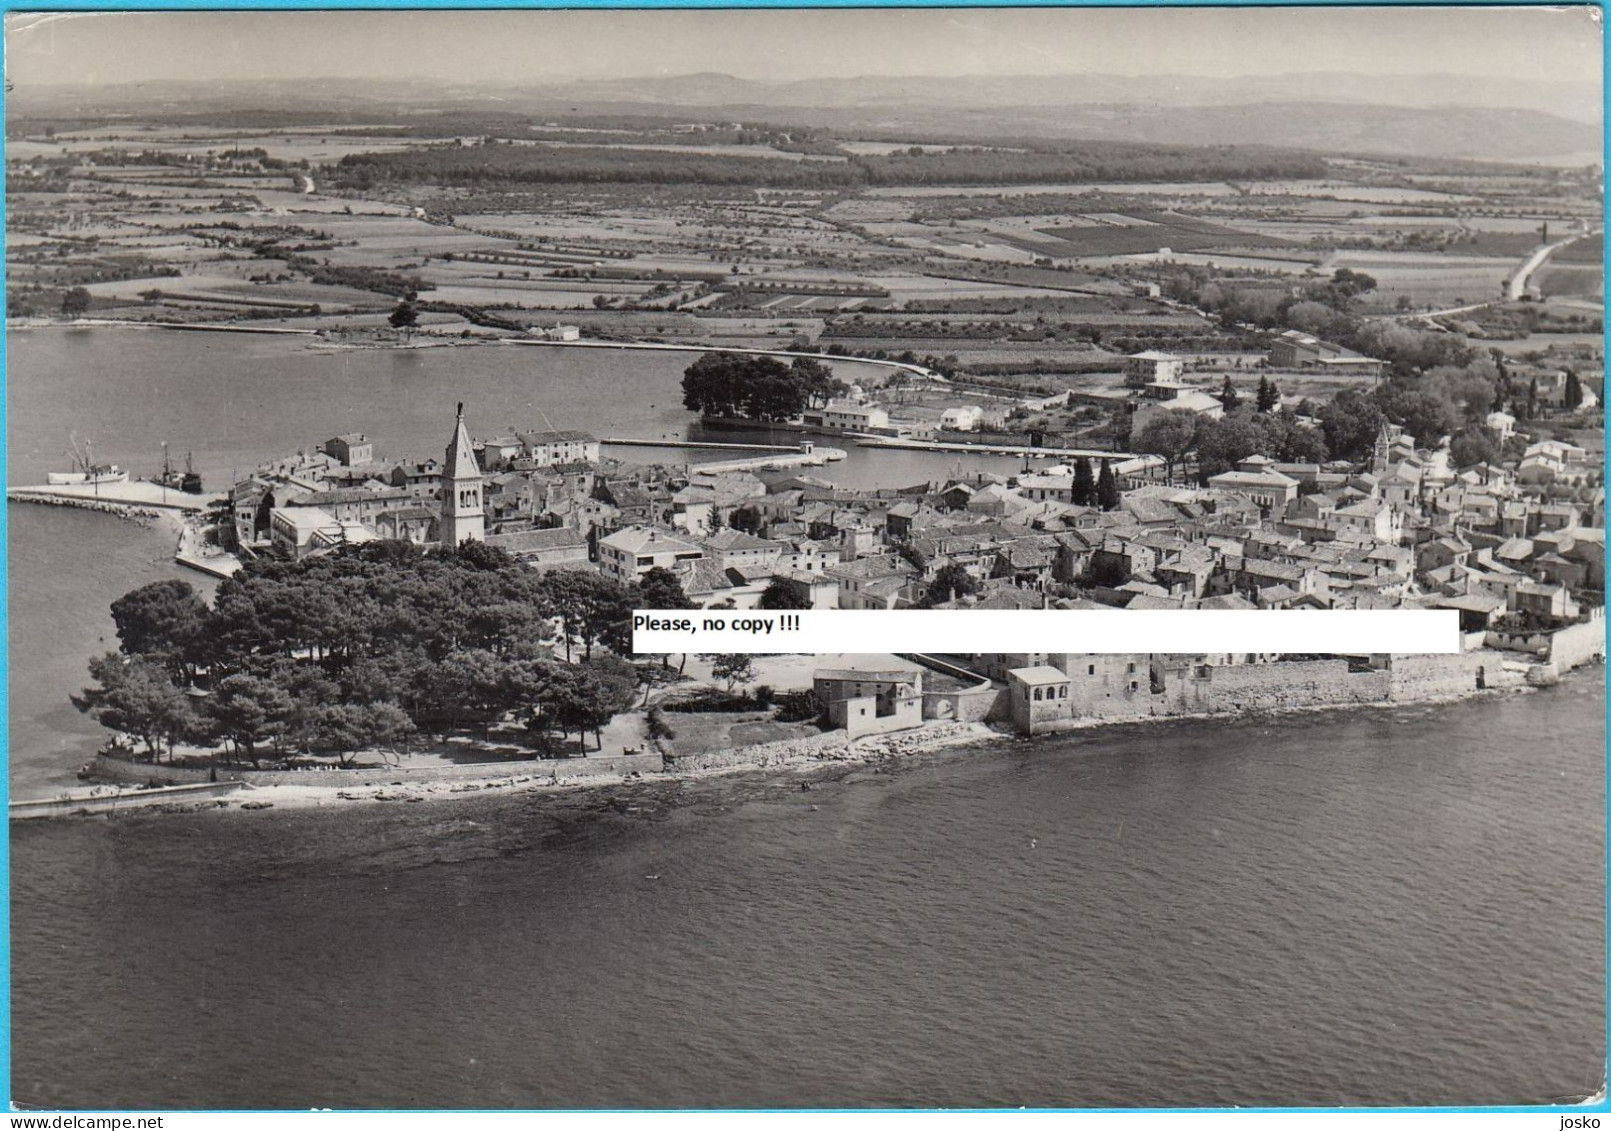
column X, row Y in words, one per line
column 789, row 755
column 777, row 759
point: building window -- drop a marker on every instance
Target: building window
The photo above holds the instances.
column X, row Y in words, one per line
column 1130, row 667
column 1090, row 669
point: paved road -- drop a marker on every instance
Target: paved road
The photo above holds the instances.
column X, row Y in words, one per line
column 1518, row 282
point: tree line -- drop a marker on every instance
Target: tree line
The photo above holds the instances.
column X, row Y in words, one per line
column 450, row 164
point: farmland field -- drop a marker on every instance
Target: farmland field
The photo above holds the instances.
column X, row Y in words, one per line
column 1061, row 263
column 1140, row 232
column 1553, row 280
column 1588, row 250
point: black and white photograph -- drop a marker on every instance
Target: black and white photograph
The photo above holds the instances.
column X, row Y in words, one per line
column 370, row 373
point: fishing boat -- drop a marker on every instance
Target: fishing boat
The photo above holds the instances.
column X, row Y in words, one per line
column 86, row 472
column 188, row 480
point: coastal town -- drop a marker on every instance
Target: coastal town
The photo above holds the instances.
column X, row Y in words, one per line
column 1514, row 541
column 512, row 514
column 958, row 374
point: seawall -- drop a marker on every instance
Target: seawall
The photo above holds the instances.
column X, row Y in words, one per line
column 1234, row 689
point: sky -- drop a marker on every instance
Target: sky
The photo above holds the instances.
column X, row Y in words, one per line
column 536, row 46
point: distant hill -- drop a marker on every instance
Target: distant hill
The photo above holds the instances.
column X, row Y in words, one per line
column 1440, row 116
column 1575, row 101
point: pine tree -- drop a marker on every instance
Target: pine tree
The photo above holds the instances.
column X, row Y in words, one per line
column 1574, row 389
column 1107, row 488
column 1084, row 483
column 1228, row 396
column 1532, row 399
column 1269, row 395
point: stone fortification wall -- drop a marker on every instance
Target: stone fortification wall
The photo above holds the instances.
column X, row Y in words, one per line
column 1441, row 677
column 1267, row 687
column 1536, row 643
column 983, row 701
column 1578, row 644
column 968, row 704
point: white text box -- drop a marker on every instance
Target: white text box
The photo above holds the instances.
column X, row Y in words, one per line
column 1095, row 631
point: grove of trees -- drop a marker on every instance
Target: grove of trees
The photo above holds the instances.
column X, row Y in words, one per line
column 756, row 386
column 362, row 647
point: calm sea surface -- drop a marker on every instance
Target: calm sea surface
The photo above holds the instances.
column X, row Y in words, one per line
column 1382, row 906
column 237, row 399
column 1379, row 906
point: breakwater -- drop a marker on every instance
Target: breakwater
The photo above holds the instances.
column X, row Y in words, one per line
column 142, row 514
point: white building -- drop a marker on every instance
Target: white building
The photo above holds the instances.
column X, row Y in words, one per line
column 964, row 418
column 628, row 554
column 1140, row 369
column 847, row 414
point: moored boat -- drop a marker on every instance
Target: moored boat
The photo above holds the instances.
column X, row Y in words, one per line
column 188, row 480
column 86, row 472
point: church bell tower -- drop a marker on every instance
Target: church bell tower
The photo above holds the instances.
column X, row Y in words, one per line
column 463, row 519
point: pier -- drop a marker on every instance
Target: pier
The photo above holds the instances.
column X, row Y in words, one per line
column 134, row 493
column 700, row 444
column 778, row 462
column 1000, row 449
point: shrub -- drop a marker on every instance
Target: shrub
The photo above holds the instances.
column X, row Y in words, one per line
column 797, row 707
column 711, row 700
column 658, row 727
